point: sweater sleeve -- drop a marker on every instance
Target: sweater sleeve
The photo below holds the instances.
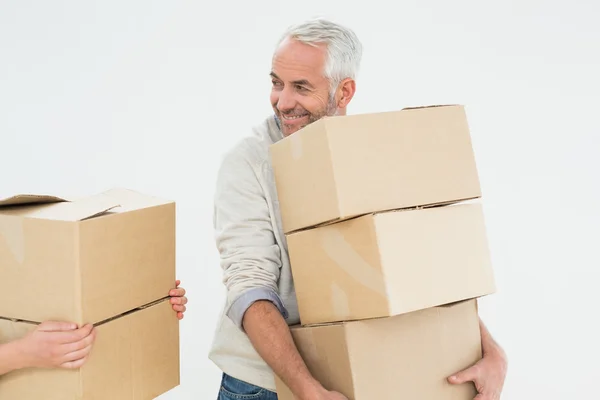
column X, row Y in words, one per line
column 249, row 254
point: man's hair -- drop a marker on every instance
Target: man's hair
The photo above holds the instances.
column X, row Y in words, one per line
column 344, row 50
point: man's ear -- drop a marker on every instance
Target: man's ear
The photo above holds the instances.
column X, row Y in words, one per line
column 346, row 90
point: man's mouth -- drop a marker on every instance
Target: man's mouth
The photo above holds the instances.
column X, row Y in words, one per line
column 293, row 117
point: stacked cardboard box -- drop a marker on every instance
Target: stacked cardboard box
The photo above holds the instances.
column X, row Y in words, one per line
column 108, row 260
column 388, row 250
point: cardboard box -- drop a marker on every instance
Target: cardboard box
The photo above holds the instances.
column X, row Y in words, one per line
column 403, row 357
column 389, row 263
column 86, row 260
column 135, row 357
column 343, row 166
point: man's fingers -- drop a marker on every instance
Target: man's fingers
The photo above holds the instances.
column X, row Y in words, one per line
column 466, row 375
column 77, row 355
column 179, row 292
column 177, row 283
column 180, row 315
column 74, row 364
column 80, row 344
column 56, row 326
column 77, row 335
column 179, row 300
column 179, row 308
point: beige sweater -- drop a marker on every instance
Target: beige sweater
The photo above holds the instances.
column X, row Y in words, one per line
column 253, row 252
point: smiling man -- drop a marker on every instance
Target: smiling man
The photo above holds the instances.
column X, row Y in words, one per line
column 302, row 94
column 313, row 74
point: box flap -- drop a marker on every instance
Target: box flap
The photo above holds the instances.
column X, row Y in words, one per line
column 21, row 199
column 432, row 106
column 130, row 200
column 59, row 209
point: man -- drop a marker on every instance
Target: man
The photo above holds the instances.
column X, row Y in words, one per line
column 313, row 76
column 61, row 344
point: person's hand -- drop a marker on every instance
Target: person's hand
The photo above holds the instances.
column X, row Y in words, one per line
column 489, row 373
column 56, row 345
column 329, row 395
column 178, row 299
column 324, row 394
column 334, row 396
column 312, row 389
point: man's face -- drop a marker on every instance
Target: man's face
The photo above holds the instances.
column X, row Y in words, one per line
column 300, row 94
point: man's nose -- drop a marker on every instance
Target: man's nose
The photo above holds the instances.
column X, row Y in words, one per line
column 286, row 101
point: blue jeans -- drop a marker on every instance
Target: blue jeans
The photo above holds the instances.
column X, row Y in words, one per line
column 234, row 389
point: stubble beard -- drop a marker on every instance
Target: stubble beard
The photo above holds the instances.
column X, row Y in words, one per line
column 329, row 111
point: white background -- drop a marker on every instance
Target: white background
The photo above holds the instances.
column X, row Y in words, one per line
column 149, row 94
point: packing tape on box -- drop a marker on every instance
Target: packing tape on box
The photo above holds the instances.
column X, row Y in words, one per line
column 339, row 298
column 12, row 235
column 351, row 262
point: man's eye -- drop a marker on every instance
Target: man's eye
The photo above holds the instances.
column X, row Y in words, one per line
column 300, row 87
column 275, row 83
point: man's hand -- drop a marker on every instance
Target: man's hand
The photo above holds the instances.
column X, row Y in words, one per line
column 487, row 374
column 56, row 345
column 333, row 396
column 178, row 299
column 271, row 337
column 318, row 392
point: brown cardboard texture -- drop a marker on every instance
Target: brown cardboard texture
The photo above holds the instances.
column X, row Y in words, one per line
column 86, row 260
column 134, row 357
column 408, row 356
column 343, row 166
column 390, row 263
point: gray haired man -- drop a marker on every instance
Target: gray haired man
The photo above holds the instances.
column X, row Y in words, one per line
column 313, row 74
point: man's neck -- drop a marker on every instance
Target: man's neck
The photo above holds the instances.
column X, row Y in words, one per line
column 277, row 122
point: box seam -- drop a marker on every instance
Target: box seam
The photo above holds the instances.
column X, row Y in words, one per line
column 133, row 310
column 345, row 328
column 78, row 275
column 333, row 170
column 382, row 265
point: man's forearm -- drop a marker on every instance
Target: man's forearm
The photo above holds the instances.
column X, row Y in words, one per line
column 9, row 357
column 271, row 337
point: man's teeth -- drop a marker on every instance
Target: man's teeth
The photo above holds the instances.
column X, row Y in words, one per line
column 294, row 116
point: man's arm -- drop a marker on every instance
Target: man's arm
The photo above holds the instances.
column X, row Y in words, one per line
column 9, row 357
column 250, row 258
column 272, row 339
column 50, row 345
